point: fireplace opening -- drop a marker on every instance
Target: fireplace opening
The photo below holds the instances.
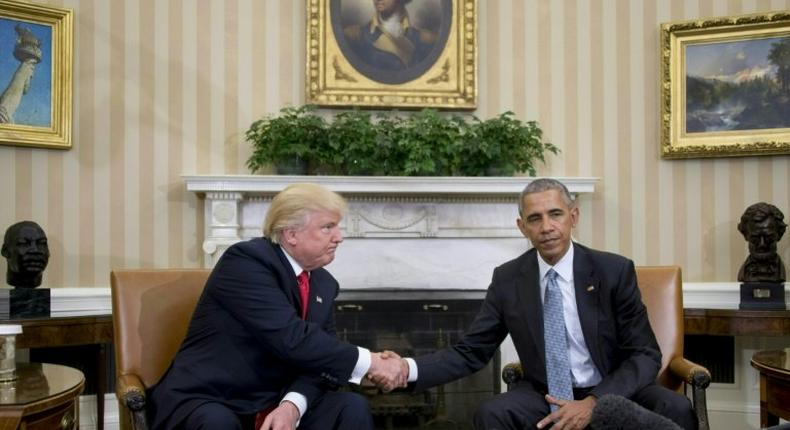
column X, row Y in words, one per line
column 411, row 323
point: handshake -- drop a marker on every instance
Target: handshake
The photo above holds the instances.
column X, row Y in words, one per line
column 388, row 371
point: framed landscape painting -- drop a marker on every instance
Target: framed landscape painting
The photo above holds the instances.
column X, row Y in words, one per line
column 726, row 86
column 35, row 75
column 393, row 53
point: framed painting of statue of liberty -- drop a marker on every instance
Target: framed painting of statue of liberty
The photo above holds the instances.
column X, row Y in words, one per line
column 726, row 86
column 392, row 53
column 35, row 75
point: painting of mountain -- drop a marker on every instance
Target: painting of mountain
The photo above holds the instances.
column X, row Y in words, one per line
column 737, row 85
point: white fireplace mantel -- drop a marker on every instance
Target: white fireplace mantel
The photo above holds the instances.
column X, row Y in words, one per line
column 401, row 232
column 378, row 185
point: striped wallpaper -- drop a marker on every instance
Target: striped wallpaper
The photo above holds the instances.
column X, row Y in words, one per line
column 165, row 88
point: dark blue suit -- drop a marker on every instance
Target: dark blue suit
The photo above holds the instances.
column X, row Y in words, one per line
column 613, row 319
column 247, row 346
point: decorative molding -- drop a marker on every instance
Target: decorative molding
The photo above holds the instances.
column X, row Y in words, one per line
column 380, row 207
column 715, row 295
column 398, row 185
column 97, row 301
column 88, row 414
column 80, row 301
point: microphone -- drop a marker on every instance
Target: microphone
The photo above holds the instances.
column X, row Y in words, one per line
column 613, row 412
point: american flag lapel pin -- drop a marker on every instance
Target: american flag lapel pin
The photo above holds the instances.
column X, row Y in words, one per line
column 590, row 288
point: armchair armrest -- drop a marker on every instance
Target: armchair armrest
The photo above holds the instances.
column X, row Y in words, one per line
column 131, row 394
column 690, row 372
column 699, row 378
column 512, row 373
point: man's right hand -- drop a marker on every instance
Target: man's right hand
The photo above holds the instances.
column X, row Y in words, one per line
column 283, row 417
column 388, row 370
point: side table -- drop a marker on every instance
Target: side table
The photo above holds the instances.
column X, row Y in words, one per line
column 44, row 397
column 774, row 368
column 69, row 331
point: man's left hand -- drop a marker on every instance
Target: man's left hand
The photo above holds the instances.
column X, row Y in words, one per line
column 572, row 414
column 283, row 417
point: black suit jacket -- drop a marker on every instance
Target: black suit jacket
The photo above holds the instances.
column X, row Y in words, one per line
column 613, row 319
column 247, row 346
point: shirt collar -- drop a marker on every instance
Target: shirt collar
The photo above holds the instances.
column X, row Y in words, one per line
column 564, row 267
column 376, row 21
column 294, row 265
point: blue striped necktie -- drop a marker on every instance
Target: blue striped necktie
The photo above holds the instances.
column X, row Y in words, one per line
column 558, row 367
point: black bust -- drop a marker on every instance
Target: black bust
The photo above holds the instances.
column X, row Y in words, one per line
column 762, row 226
column 26, row 250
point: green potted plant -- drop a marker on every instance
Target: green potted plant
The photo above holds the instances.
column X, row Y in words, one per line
column 416, row 144
column 503, row 146
column 286, row 141
column 353, row 145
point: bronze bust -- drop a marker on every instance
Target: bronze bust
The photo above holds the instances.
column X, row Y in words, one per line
column 762, row 226
column 26, row 250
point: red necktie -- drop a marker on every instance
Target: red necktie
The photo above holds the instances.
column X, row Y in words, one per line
column 304, row 291
column 304, row 294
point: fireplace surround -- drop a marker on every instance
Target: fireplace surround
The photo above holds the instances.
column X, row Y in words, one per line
column 411, row 323
column 401, row 232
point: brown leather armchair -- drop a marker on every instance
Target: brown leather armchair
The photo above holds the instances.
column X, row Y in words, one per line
column 151, row 310
column 662, row 294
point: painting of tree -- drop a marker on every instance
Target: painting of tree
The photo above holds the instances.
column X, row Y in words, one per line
column 738, row 85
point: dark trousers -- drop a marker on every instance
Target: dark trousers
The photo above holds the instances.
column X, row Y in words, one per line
column 522, row 408
column 332, row 410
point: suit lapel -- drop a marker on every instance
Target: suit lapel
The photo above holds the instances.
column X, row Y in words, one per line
column 588, row 289
column 528, row 293
column 316, row 287
column 290, row 284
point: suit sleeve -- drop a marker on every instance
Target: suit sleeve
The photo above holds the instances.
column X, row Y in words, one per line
column 638, row 352
column 249, row 289
column 471, row 353
column 312, row 386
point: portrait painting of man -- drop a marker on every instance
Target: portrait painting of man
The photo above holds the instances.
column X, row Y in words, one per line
column 391, row 41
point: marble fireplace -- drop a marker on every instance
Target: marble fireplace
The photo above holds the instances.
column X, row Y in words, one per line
column 400, row 232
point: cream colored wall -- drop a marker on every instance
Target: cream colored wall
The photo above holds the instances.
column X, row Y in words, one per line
column 165, row 88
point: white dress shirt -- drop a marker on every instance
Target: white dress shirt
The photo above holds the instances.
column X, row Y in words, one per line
column 583, row 370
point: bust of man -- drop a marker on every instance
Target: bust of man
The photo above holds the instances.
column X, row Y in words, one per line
column 25, row 248
column 762, row 226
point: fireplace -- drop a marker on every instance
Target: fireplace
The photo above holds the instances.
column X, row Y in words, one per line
column 413, row 322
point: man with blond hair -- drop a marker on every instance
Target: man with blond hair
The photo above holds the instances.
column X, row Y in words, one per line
column 262, row 342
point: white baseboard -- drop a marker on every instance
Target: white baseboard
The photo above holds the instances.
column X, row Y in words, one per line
column 88, row 419
column 92, row 301
column 80, row 301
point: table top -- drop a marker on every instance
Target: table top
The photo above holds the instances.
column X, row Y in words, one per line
column 63, row 331
column 37, row 381
column 776, row 362
column 736, row 322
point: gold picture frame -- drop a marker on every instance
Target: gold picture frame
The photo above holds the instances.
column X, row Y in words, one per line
column 436, row 67
column 722, row 94
column 35, row 75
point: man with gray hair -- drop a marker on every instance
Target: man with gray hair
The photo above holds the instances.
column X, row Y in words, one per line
column 578, row 324
column 261, row 342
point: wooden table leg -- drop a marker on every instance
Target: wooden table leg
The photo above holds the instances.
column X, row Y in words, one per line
column 767, row 419
column 101, row 385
